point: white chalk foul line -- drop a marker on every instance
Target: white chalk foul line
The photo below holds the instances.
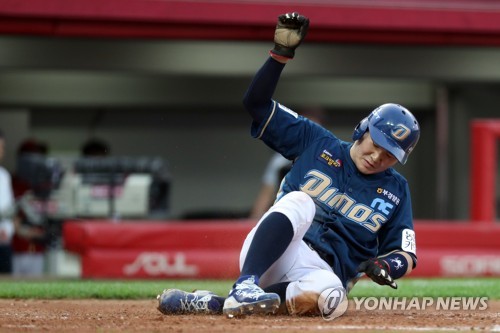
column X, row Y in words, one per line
column 376, row 328
column 412, row 328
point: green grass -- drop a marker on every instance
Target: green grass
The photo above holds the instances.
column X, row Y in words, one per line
column 101, row 289
column 107, row 289
column 436, row 287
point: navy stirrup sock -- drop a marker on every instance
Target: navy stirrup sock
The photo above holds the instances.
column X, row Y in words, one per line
column 278, row 288
column 270, row 241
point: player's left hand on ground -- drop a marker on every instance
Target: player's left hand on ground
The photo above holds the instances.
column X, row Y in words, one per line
column 290, row 31
column 378, row 271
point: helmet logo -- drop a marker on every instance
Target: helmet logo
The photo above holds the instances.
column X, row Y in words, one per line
column 400, row 132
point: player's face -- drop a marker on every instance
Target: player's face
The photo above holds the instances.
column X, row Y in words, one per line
column 370, row 158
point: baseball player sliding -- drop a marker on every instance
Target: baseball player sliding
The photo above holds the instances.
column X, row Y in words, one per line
column 342, row 211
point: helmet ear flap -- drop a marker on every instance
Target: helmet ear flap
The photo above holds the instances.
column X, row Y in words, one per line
column 360, row 129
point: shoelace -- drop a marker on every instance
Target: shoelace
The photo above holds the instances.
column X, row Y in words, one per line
column 195, row 304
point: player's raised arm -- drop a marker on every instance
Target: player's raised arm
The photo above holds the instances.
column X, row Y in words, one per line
column 289, row 33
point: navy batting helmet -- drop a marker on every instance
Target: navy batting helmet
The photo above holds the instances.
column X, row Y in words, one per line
column 393, row 128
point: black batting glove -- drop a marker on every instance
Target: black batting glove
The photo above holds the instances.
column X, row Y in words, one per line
column 290, row 31
column 378, row 271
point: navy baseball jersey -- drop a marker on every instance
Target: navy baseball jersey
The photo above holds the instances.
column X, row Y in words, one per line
column 357, row 216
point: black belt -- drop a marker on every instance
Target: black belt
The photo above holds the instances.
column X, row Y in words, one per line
column 328, row 258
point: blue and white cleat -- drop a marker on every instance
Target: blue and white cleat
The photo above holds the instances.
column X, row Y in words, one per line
column 248, row 298
column 175, row 301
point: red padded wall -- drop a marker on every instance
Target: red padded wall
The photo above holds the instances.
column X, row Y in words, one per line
column 436, row 22
column 201, row 250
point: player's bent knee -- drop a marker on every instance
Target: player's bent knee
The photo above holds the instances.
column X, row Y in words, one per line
column 317, row 293
column 330, row 303
column 303, row 304
column 297, row 206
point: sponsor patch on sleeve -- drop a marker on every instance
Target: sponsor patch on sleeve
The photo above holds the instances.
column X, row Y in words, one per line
column 408, row 243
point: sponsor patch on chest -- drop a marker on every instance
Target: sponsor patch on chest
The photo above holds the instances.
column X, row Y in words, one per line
column 388, row 195
column 327, row 158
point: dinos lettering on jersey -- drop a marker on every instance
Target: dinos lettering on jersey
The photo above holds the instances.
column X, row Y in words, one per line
column 319, row 186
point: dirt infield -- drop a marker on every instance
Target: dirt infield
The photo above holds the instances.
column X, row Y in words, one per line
column 141, row 316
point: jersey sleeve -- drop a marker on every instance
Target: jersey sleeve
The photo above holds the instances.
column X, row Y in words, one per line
column 286, row 132
column 398, row 234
